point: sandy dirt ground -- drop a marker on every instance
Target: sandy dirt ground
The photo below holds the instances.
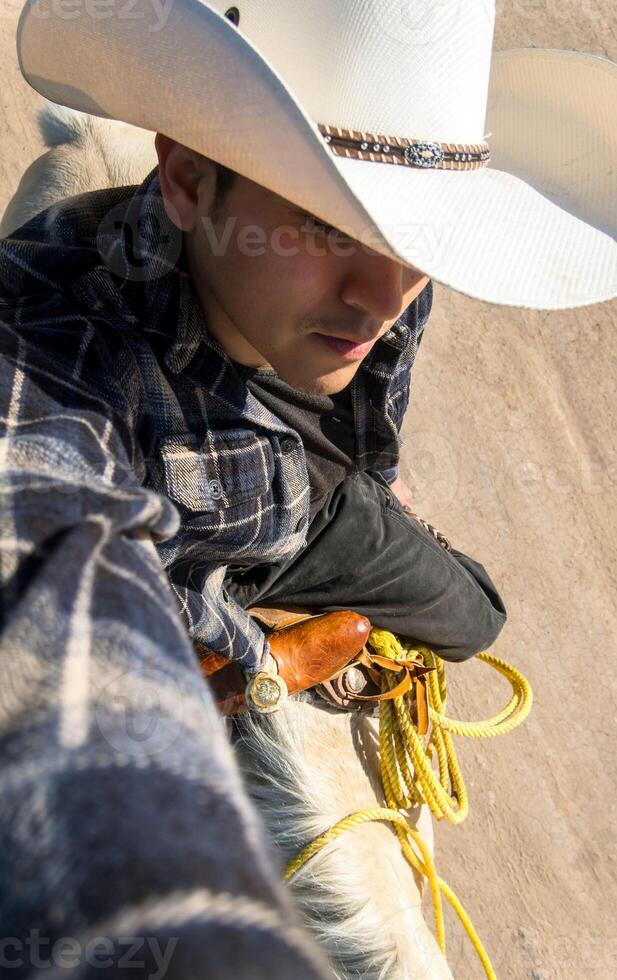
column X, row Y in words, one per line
column 511, row 449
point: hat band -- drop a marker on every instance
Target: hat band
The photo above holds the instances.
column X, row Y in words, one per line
column 400, row 150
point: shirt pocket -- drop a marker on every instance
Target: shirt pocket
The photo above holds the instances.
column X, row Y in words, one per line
column 228, row 469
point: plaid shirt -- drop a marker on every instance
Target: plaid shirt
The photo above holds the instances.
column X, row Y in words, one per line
column 134, row 465
column 115, row 333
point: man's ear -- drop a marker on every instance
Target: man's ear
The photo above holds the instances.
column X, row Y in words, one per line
column 188, row 182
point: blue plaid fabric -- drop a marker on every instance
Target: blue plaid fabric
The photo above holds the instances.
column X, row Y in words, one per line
column 99, row 311
column 134, row 465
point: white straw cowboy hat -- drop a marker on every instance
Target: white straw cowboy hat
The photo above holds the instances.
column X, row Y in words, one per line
column 372, row 115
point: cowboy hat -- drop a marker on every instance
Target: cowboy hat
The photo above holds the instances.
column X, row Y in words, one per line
column 388, row 119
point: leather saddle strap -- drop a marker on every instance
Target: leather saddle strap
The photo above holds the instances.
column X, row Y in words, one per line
column 414, row 673
column 278, row 619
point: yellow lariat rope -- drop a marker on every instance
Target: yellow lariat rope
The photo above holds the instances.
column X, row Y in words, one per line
column 407, row 775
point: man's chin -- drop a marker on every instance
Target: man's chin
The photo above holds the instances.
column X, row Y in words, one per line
column 313, row 369
column 327, row 384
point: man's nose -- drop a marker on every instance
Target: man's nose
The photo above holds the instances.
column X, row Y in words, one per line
column 377, row 285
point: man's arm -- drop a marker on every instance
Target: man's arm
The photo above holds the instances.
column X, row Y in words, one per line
column 122, row 817
column 474, row 612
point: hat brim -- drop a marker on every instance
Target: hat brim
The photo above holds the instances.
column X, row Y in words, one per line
column 536, row 229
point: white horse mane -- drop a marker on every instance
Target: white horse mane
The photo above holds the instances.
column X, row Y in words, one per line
column 306, row 768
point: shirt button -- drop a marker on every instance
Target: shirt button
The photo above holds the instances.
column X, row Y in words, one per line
column 216, row 489
column 288, row 445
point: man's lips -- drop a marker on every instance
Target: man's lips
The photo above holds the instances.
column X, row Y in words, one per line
column 347, row 348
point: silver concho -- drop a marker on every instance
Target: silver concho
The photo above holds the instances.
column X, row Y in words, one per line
column 265, row 693
column 424, row 154
column 355, row 681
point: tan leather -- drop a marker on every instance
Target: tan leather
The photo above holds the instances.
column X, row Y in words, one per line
column 270, row 618
column 359, row 683
column 278, row 618
column 315, row 649
column 307, row 652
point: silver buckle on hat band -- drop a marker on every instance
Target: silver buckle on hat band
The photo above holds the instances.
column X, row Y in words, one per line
column 421, row 154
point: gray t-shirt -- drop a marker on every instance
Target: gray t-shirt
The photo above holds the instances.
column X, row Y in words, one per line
column 325, row 423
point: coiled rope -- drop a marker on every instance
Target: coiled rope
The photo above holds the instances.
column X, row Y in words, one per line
column 407, row 775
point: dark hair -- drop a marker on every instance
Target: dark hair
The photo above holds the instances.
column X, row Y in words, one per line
column 224, row 182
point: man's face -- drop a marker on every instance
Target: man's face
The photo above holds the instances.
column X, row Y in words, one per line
column 275, row 285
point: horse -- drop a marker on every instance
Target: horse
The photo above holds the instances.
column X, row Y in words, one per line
column 308, row 765
column 85, row 153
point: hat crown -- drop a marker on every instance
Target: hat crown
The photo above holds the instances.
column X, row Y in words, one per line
column 414, row 68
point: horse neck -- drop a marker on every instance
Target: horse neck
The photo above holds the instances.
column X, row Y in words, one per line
column 307, row 768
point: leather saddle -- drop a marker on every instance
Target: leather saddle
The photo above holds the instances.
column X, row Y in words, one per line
column 324, row 652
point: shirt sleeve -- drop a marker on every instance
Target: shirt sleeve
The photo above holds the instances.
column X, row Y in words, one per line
column 417, row 316
column 122, row 814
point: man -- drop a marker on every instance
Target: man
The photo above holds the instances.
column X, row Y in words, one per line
column 299, row 309
column 118, row 386
column 177, row 356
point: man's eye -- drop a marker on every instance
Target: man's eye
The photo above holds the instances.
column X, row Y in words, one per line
column 314, row 224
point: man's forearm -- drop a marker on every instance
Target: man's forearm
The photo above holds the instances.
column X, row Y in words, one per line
column 121, row 807
column 481, row 627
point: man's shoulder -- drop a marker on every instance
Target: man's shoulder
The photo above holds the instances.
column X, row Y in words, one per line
column 72, row 222
column 76, row 218
column 63, row 302
column 74, row 255
column 65, row 239
column 45, row 264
